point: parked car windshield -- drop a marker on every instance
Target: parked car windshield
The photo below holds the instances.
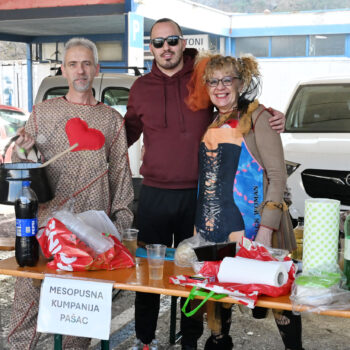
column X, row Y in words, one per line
column 11, row 120
column 117, row 98
column 320, row 108
column 58, row 92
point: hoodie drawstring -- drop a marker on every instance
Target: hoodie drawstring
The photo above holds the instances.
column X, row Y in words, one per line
column 180, row 103
column 164, row 104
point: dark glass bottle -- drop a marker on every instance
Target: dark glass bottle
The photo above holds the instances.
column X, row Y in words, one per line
column 347, row 250
column 26, row 209
column 299, row 234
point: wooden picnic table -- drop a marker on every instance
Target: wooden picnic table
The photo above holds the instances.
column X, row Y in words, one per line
column 136, row 279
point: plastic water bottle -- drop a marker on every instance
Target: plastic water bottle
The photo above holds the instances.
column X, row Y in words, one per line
column 26, row 209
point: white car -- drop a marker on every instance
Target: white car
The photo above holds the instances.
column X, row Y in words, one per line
column 317, row 142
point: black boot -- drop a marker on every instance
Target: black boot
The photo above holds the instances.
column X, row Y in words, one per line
column 289, row 326
column 226, row 314
column 188, row 347
column 219, row 342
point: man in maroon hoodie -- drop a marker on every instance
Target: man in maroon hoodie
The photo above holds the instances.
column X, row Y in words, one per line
column 171, row 136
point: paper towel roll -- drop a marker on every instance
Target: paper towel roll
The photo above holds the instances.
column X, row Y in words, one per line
column 242, row 270
column 321, row 234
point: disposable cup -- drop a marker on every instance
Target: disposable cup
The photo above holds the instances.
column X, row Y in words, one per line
column 129, row 239
column 155, row 257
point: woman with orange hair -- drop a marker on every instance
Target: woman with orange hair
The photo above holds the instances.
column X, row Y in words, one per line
column 242, row 174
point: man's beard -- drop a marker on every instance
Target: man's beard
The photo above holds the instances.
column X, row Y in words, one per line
column 169, row 64
column 81, row 88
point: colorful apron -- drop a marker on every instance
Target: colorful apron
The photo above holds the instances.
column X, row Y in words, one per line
column 230, row 186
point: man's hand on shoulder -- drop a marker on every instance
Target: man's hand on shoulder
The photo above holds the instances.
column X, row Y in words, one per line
column 277, row 121
column 25, row 141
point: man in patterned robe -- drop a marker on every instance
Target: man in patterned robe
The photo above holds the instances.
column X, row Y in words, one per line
column 96, row 173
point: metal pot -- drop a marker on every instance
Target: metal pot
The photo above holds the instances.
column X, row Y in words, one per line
column 13, row 174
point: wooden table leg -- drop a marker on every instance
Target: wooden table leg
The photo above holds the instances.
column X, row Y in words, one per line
column 58, row 342
column 104, row 344
column 174, row 337
column 213, row 316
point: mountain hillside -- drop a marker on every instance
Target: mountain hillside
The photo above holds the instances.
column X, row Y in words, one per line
column 12, row 51
column 256, row 6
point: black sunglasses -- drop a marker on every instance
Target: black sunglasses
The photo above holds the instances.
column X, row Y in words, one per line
column 172, row 40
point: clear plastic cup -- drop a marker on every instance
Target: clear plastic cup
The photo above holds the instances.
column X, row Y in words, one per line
column 155, row 257
column 129, row 239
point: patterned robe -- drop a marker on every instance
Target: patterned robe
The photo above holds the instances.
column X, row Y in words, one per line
column 96, row 174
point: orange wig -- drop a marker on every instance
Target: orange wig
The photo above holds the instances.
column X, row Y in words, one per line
column 198, row 97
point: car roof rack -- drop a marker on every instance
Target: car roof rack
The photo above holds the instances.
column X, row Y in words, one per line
column 134, row 68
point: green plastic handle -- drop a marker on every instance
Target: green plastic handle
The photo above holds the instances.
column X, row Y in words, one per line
column 200, row 292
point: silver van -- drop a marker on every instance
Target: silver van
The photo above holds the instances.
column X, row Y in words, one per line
column 109, row 88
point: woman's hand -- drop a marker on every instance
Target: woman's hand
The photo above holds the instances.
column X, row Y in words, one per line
column 236, row 236
column 25, row 141
column 264, row 236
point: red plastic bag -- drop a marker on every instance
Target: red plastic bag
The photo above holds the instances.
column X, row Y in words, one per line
column 257, row 252
column 72, row 254
column 245, row 293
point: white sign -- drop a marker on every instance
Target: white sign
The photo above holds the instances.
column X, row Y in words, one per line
column 199, row 42
column 135, row 41
column 135, row 23
column 75, row 307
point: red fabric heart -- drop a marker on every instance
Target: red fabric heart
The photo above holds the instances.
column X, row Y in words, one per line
column 79, row 132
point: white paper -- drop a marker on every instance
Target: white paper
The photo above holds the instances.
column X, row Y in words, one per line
column 250, row 271
column 75, row 307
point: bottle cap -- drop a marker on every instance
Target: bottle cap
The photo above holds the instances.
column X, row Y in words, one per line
column 26, row 183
